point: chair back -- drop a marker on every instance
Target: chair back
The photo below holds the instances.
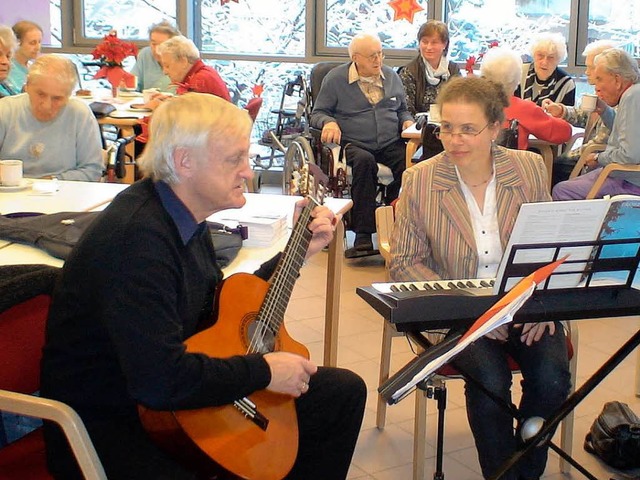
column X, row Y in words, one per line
column 253, row 107
column 318, row 72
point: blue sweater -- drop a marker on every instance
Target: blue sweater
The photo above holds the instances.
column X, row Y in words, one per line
column 372, row 127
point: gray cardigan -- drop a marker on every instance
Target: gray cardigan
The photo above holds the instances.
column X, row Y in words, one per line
column 372, row 127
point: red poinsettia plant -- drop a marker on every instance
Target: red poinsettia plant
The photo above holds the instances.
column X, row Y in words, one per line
column 111, row 52
column 472, row 61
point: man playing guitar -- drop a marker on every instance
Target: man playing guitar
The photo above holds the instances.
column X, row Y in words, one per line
column 135, row 298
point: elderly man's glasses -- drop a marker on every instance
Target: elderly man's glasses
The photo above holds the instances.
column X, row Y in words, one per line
column 373, row 56
column 466, row 132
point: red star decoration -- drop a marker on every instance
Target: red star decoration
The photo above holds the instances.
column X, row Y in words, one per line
column 257, row 90
column 404, row 9
column 223, row 2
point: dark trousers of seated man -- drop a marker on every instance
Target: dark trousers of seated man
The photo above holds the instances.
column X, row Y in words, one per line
column 329, row 420
column 364, row 181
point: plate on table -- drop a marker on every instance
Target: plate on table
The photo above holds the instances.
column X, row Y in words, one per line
column 126, row 114
column 139, row 107
column 129, row 93
column 24, row 184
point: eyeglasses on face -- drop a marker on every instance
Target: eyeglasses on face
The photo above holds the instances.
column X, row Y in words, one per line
column 467, row 132
column 373, row 56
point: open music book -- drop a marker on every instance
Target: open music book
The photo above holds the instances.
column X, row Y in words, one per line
column 500, row 313
column 615, row 218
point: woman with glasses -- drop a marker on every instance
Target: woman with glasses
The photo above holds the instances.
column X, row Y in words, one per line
column 454, row 217
column 504, row 66
column 424, row 75
column 8, row 44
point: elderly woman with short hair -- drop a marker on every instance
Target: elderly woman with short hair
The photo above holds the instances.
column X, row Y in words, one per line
column 545, row 80
column 54, row 135
column 425, row 74
column 148, row 68
column 8, row 45
column 181, row 62
column 504, row 67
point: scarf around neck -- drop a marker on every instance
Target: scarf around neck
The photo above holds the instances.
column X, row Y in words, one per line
column 434, row 77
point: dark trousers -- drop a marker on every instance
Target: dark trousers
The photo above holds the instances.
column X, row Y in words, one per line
column 364, row 181
column 545, row 385
column 329, row 419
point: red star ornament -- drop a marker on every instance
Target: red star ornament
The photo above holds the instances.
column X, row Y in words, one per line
column 404, row 9
column 223, row 2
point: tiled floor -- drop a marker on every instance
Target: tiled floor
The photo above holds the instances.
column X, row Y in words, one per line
column 387, row 454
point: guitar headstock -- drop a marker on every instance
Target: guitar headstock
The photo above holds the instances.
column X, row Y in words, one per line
column 313, row 182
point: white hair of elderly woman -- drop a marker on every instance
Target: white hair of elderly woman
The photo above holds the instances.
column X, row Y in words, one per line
column 52, row 66
column 598, row 46
column 8, row 38
column 502, row 66
column 550, row 43
column 180, row 47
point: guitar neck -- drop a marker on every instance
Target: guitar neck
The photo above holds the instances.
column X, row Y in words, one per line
column 288, row 270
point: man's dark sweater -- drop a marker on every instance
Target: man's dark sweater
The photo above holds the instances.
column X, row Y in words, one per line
column 138, row 284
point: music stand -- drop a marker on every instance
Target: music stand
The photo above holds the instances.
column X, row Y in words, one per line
column 597, row 267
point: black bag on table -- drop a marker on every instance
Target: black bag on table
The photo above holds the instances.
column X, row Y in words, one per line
column 615, row 436
column 57, row 233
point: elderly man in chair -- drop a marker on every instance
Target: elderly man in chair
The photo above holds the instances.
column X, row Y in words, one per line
column 617, row 81
column 362, row 103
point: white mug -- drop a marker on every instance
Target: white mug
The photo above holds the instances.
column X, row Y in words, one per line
column 589, row 102
column 434, row 113
column 11, row 173
column 148, row 93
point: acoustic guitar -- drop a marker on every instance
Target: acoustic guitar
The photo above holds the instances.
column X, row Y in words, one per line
column 256, row 437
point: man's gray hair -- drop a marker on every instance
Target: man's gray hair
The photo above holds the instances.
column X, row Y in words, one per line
column 196, row 121
column 502, row 66
column 8, row 38
column 550, row 42
column 619, row 62
column 358, row 39
column 598, row 46
column 180, row 47
column 53, row 66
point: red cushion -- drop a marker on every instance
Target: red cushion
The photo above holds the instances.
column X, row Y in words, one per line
column 21, row 341
column 25, row 459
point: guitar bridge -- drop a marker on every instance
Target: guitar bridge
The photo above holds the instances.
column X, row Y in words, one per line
column 250, row 411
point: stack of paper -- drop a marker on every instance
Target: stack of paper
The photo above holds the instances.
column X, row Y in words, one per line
column 263, row 229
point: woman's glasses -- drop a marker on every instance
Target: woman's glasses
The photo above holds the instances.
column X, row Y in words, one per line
column 466, row 132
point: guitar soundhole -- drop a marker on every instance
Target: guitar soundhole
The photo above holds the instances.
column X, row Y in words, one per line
column 260, row 337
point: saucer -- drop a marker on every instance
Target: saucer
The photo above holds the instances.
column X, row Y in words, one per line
column 24, row 184
column 139, row 107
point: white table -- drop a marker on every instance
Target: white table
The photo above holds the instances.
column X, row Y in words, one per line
column 248, row 259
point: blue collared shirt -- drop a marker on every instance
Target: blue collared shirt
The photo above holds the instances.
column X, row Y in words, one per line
column 179, row 213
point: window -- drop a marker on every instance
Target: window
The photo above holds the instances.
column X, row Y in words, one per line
column 474, row 24
column 343, row 19
column 254, row 27
column 131, row 19
column 615, row 20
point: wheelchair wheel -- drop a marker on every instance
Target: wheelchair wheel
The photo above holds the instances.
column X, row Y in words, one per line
column 297, row 154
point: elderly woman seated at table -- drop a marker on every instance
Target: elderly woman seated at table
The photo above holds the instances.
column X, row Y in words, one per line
column 545, row 80
column 504, row 66
column 181, row 62
column 54, row 135
column 8, row 44
column 148, row 68
column 29, row 35
column 424, row 75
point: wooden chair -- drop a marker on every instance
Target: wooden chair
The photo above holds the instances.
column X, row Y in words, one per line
column 384, row 225
column 21, row 340
column 606, row 171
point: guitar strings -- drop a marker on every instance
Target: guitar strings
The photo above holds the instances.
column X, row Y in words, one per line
column 266, row 316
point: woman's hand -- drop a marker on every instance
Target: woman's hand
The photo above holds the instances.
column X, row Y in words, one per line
column 532, row 332
column 500, row 334
column 553, row 109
